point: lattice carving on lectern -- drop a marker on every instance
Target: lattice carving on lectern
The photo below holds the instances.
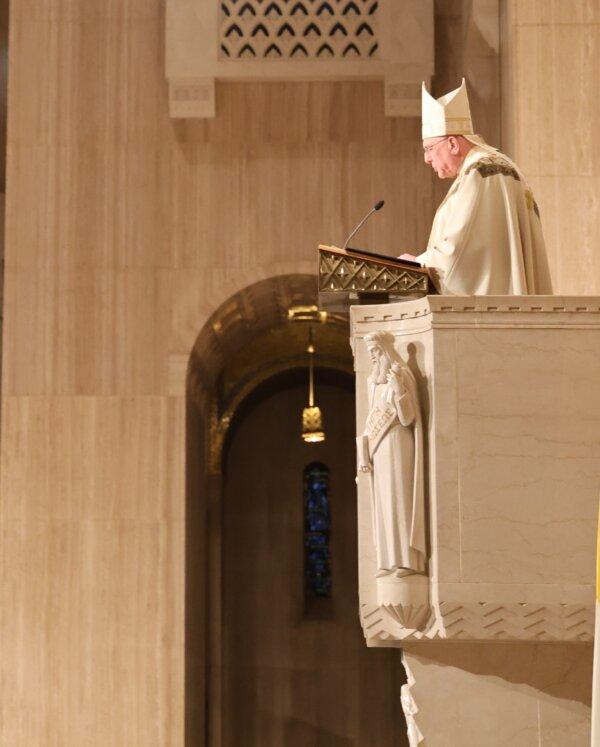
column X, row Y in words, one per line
column 345, row 273
column 301, row 29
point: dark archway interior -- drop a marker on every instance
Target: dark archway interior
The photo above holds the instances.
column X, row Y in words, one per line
column 247, row 384
column 296, row 670
column 252, row 331
column 293, row 378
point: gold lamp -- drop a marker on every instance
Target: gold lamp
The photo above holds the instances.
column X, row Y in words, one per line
column 312, row 420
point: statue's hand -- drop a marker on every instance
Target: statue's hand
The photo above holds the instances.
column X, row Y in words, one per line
column 395, row 384
column 365, row 468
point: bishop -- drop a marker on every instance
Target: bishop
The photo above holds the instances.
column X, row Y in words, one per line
column 486, row 237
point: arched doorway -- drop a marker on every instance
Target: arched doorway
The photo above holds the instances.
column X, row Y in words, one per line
column 262, row 667
column 296, row 668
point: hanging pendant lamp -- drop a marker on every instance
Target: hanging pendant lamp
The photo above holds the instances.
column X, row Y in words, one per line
column 312, row 419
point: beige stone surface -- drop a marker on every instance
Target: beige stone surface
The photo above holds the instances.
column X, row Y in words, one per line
column 93, row 539
column 537, row 12
column 125, row 230
column 513, row 416
column 71, row 459
column 496, row 694
column 204, row 43
column 550, row 114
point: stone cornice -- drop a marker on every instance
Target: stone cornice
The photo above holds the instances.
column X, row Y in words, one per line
column 436, row 312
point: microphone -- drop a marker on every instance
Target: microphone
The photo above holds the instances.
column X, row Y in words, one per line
column 376, row 206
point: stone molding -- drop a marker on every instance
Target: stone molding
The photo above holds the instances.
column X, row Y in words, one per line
column 476, row 304
column 484, row 621
column 460, row 312
column 277, row 40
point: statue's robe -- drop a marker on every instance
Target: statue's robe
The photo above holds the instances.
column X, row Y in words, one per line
column 395, row 435
column 487, row 237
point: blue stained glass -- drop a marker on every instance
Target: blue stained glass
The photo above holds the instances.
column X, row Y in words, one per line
column 321, row 553
column 317, row 525
column 315, row 540
column 317, row 503
column 322, row 587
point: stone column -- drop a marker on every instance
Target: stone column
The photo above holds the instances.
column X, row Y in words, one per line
column 511, row 405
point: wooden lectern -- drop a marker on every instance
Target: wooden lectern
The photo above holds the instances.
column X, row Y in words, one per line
column 354, row 276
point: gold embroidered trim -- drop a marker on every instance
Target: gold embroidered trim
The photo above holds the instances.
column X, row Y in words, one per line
column 491, row 166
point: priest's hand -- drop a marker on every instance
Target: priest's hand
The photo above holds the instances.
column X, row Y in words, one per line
column 409, row 257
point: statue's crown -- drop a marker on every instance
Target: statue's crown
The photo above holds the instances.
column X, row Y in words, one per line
column 448, row 115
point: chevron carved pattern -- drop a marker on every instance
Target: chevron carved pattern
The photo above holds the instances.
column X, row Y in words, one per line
column 485, row 621
column 527, row 622
column 298, row 29
column 385, row 623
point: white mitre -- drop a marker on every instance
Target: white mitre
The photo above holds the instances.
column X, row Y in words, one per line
column 450, row 115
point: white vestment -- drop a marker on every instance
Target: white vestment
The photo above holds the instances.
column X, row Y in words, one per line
column 486, row 237
column 398, row 500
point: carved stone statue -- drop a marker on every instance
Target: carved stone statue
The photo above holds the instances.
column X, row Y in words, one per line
column 391, row 450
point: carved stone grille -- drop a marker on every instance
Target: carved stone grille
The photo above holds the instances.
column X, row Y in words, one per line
column 298, row 29
column 297, row 41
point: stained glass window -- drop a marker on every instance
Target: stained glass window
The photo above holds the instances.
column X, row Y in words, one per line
column 317, row 526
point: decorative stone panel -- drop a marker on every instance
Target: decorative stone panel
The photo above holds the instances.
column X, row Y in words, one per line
column 297, row 40
column 484, row 621
column 511, row 409
column 308, row 29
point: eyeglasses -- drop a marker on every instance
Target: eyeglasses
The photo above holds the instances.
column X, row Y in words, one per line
column 429, row 148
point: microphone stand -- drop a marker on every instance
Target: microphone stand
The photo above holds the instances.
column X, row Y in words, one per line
column 375, row 207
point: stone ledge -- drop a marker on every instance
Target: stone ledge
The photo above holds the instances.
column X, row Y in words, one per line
column 538, row 310
column 484, row 621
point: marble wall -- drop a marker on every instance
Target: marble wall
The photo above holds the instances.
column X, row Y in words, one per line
column 467, row 43
column 501, row 693
column 125, row 231
column 467, row 36
column 551, row 118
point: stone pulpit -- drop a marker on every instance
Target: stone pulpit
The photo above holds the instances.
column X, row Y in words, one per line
column 478, row 443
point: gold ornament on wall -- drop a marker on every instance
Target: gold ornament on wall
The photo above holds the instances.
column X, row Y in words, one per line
column 312, row 419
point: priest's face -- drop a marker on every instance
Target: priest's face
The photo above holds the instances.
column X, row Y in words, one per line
column 444, row 155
